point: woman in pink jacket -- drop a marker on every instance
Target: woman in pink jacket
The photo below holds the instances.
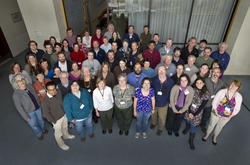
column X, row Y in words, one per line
column 226, row 104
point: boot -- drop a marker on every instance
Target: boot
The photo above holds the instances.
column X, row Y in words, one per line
column 191, row 141
column 185, row 131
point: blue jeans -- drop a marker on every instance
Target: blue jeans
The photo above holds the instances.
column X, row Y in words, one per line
column 88, row 124
column 142, row 121
column 36, row 122
column 193, row 128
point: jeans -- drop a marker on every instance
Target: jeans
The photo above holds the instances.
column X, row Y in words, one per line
column 88, row 124
column 193, row 128
column 36, row 122
column 142, row 121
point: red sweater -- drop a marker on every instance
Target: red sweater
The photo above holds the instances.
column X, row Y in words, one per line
column 154, row 56
column 40, row 88
column 79, row 57
column 98, row 39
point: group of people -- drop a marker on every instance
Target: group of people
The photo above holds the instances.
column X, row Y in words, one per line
column 104, row 76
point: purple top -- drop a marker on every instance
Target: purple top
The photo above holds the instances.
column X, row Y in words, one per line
column 226, row 107
column 144, row 104
column 71, row 77
column 33, row 99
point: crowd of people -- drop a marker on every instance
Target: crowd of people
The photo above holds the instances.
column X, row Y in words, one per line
column 85, row 78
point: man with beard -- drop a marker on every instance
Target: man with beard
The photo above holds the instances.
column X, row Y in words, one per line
column 136, row 77
column 202, row 46
column 62, row 62
column 176, row 59
column 205, row 58
column 118, row 54
column 134, row 56
column 111, row 60
column 214, row 84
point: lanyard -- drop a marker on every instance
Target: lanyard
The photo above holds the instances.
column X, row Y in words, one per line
column 42, row 85
column 137, row 81
column 78, row 98
column 77, row 57
column 124, row 92
column 102, row 93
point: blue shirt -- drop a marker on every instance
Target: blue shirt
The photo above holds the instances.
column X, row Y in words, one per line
column 165, row 88
column 106, row 48
column 71, row 105
column 224, row 59
column 150, row 72
column 135, row 81
column 50, row 74
column 144, row 103
column 134, row 37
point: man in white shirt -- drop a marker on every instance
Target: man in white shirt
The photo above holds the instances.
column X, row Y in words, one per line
column 62, row 62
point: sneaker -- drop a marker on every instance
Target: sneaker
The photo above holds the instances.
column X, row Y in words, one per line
column 65, row 147
column 137, row 135
column 91, row 135
column 144, row 135
column 70, row 137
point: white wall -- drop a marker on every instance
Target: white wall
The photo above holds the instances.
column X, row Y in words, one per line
column 44, row 16
column 15, row 33
column 238, row 42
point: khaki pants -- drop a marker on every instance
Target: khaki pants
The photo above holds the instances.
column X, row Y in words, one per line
column 215, row 120
column 161, row 113
column 61, row 129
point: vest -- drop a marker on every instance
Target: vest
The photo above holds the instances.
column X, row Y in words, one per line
column 63, row 89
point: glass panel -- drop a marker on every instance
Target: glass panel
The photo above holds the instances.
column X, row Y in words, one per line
column 137, row 14
column 209, row 19
column 169, row 18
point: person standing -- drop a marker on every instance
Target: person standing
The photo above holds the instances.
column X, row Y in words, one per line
column 131, row 36
column 77, row 55
column 214, row 84
column 135, row 78
column 97, row 37
column 71, row 38
column 162, row 85
column 78, row 106
column 103, row 104
column 52, row 107
column 145, row 38
column 123, row 94
column 144, row 106
column 189, row 50
column 33, row 50
column 153, row 54
column 27, row 104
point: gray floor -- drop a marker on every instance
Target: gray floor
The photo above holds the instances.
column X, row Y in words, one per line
column 18, row 144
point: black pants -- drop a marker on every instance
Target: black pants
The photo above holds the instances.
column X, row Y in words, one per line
column 206, row 116
column 174, row 120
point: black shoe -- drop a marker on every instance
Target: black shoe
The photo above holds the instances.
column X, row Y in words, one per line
column 204, row 139
column 185, row 131
column 176, row 134
column 213, row 141
column 170, row 133
column 110, row 131
column 96, row 121
column 203, row 129
column 120, row 132
column 104, row 131
column 126, row 133
column 191, row 141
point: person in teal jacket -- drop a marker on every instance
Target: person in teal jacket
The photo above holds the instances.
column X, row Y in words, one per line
column 78, row 106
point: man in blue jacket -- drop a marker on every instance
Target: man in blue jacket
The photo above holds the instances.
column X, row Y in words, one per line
column 222, row 55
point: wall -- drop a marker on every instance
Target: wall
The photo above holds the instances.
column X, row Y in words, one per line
column 238, row 42
column 15, row 33
column 95, row 11
column 46, row 16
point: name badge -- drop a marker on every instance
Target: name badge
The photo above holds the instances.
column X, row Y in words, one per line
column 82, row 105
column 89, row 90
column 227, row 109
column 171, row 74
column 186, row 93
column 131, row 63
column 187, row 69
column 130, row 36
column 159, row 93
column 136, row 89
column 79, row 63
column 193, row 105
column 122, row 102
column 212, row 96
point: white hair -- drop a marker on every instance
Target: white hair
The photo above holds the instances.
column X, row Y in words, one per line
column 223, row 43
column 15, row 86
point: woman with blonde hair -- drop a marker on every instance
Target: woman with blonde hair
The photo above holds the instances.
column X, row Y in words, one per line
column 107, row 75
